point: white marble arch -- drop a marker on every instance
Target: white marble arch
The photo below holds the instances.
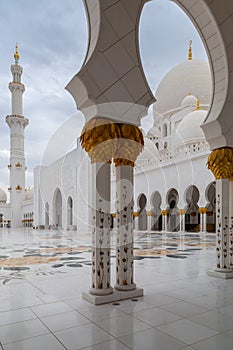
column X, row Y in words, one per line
column 213, row 20
column 57, row 208
column 142, row 218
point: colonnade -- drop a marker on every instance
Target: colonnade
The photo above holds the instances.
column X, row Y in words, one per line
column 106, row 141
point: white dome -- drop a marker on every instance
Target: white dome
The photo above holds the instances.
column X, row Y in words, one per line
column 153, row 132
column 3, row 196
column 189, row 101
column 189, row 130
column 29, row 194
column 149, row 152
column 188, row 77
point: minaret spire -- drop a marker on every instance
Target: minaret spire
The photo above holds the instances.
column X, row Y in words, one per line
column 190, row 55
column 17, row 123
column 16, row 54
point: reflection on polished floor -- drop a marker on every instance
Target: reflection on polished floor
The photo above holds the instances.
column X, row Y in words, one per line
column 43, row 275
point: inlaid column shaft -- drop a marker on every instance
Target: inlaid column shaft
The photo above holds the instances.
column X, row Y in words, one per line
column 231, row 225
column 164, row 220
column 101, row 223
column 124, row 228
column 222, row 224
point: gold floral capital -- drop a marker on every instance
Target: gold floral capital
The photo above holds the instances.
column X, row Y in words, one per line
column 182, row 211
column 136, row 214
column 104, row 140
column 150, row 213
column 164, row 212
column 220, row 162
column 203, row 210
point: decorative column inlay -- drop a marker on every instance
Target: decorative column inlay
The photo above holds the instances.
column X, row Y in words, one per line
column 220, row 162
column 101, row 223
column 124, row 228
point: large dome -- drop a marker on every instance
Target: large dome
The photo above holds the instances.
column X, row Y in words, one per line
column 149, row 152
column 189, row 130
column 190, row 77
column 3, row 196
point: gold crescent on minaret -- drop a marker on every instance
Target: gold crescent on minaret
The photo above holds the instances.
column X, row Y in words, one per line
column 16, row 54
column 190, row 55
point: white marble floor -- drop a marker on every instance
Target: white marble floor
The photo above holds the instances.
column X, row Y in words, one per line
column 42, row 308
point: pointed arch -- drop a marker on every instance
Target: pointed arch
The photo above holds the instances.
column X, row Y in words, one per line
column 69, row 211
column 57, row 208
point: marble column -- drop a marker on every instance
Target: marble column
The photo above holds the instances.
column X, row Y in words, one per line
column 203, row 219
column 220, row 162
column 124, row 235
column 136, row 220
column 101, row 221
column 150, row 219
column 164, row 220
column 223, row 267
column 231, row 225
column 182, row 219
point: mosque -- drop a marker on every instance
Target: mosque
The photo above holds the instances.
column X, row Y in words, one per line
column 174, row 191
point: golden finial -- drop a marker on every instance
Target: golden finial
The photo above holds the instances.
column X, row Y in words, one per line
column 16, row 54
column 190, row 56
column 198, row 107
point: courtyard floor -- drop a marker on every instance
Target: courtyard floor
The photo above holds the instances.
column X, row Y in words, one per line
column 43, row 275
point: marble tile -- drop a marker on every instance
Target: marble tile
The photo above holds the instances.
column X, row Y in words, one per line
column 50, row 309
column 82, row 336
column 220, row 341
column 96, row 313
column 109, row 345
column 215, row 320
column 65, row 320
column 14, row 316
column 151, row 339
column 48, row 342
column 187, row 331
column 21, row 330
column 122, row 325
column 184, row 309
column 155, row 316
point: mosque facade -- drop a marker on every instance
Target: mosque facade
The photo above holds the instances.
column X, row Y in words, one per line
column 174, row 191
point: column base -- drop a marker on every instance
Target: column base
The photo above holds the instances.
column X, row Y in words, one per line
column 101, row 292
column 125, row 288
column 221, row 273
column 115, row 296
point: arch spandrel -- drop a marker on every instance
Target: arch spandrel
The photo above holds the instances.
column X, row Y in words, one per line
column 112, row 71
column 211, row 19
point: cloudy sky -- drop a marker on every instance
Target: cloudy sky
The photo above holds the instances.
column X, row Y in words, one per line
column 52, row 37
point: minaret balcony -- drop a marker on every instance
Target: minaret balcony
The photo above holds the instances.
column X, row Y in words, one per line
column 9, row 188
column 18, row 188
column 18, row 165
column 9, row 166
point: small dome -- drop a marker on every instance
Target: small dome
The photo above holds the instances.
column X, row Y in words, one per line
column 149, row 152
column 29, row 194
column 3, row 196
column 189, row 129
column 188, row 77
column 153, row 132
column 189, row 101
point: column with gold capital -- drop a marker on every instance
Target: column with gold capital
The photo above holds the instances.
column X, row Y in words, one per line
column 97, row 139
column 220, row 162
column 182, row 213
column 129, row 145
column 164, row 220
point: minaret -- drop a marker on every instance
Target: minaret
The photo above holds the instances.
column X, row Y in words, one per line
column 17, row 123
